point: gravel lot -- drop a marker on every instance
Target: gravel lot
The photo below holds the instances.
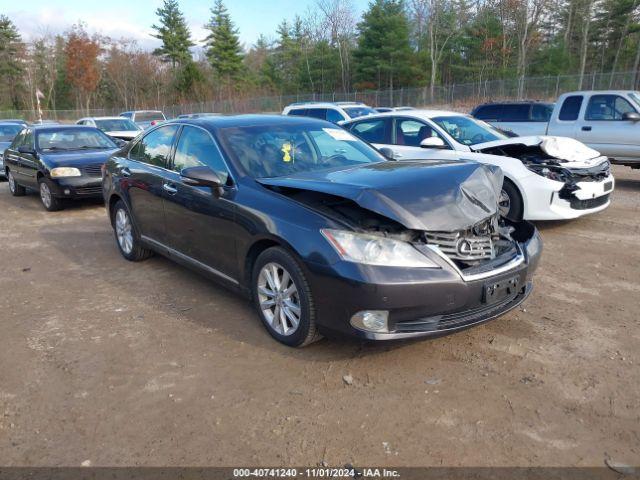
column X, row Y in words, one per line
column 106, row 361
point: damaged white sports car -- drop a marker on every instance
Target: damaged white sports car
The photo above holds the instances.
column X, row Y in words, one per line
column 546, row 178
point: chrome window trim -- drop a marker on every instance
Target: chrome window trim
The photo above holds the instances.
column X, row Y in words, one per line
column 515, row 262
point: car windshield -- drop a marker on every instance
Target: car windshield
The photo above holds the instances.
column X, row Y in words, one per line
column 7, row 132
column 149, row 116
column 116, row 125
column 355, row 112
column 635, row 96
column 469, row 131
column 72, row 139
column 282, row 150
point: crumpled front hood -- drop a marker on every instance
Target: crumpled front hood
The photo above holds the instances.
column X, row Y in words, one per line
column 431, row 196
column 566, row 149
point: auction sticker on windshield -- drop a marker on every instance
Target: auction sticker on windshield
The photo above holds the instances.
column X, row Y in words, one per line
column 338, row 134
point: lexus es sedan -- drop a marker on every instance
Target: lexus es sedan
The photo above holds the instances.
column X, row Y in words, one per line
column 546, row 178
column 59, row 161
column 320, row 230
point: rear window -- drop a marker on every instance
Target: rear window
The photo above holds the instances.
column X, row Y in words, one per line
column 149, row 116
column 7, row 132
column 515, row 113
column 570, row 108
column 355, row 112
column 541, row 112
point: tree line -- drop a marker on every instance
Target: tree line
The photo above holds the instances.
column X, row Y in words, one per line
column 395, row 43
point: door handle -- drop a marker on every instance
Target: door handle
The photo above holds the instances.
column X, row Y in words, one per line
column 586, row 129
column 125, row 172
column 170, row 189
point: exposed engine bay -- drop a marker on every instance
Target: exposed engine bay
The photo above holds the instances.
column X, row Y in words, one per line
column 492, row 238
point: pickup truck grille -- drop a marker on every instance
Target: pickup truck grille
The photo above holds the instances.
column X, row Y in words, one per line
column 462, row 246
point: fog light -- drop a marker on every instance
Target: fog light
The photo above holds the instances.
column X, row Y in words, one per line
column 371, row 320
column 67, row 191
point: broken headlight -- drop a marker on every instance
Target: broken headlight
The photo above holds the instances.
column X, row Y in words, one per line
column 549, row 171
column 376, row 250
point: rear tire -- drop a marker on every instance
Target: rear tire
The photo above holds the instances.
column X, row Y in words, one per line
column 510, row 201
column 127, row 237
column 15, row 189
column 49, row 202
column 283, row 298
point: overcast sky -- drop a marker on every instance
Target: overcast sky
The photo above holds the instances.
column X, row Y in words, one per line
column 132, row 19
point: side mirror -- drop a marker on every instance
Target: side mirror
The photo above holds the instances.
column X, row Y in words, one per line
column 26, row 149
column 433, row 142
column 388, row 153
column 202, row 177
column 631, row 116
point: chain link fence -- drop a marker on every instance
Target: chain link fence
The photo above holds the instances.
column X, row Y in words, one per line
column 462, row 97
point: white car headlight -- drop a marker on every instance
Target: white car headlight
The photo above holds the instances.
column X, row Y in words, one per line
column 376, row 250
column 60, row 172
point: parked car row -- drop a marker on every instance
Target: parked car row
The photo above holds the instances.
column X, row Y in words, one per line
column 402, row 224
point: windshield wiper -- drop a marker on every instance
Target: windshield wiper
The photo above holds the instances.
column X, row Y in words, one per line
column 89, row 147
column 55, row 148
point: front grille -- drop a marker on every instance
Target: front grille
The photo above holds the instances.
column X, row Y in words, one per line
column 462, row 246
column 578, row 204
column 93, row 170
column 87, row 191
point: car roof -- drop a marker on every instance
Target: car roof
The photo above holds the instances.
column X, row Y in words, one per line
column 102, row 118
column 326, row 104
column 515, row 102
column 417, row 113
column 600, row 92
column 250, row 120
column 60, row 126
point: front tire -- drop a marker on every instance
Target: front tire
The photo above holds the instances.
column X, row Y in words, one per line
column 283, row 298
column 49, row 202
column 126, row 235
column 15, row 189
column 510, row 203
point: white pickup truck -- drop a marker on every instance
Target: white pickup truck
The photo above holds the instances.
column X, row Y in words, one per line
column 606, row 120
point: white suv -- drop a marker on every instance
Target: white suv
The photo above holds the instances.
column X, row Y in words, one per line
column 335, row 112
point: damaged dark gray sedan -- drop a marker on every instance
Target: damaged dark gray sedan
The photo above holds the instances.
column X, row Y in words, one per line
column 319, row 229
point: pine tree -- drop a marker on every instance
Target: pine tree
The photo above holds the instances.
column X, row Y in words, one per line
column 10, row 66
column 223, row 45
column 174, row 33
column 383, row 57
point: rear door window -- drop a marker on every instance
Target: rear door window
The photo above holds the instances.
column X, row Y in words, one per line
column 607, row 108
column 515, row 113
column 298, row 112
column 373, row 131
column 570, row 108
column 334, row 116
column 320, row 113
column 155, row 147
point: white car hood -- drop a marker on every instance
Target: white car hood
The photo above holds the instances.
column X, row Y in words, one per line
column 571, row 152
column 124, row 134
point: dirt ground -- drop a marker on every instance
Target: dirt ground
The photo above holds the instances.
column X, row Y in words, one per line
column 114, row 363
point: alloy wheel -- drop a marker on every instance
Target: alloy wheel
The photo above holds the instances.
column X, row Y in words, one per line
column 278, row 298
column 12, row 183
column 504, row 203
column 45, row 194
column 124, row 232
